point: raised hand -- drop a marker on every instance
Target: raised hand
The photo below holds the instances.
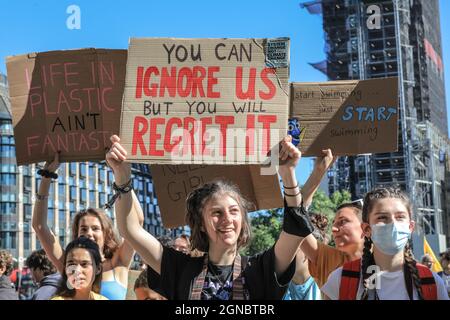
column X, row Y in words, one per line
column 115, row 158
column 289, row 155
column 54, row 165
column 324, row 162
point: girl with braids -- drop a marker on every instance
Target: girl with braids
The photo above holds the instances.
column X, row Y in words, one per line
column 217, row 217
column 387, row 225
column 93, row 223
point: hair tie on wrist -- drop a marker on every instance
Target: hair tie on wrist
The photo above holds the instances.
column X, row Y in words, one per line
column 290, row 187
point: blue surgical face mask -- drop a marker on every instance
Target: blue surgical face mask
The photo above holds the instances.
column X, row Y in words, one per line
column 390, row 238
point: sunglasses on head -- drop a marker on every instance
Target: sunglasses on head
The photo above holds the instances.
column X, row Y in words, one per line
column 357, row 204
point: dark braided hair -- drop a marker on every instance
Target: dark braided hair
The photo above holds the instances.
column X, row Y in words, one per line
column 410, row 264
column 195, row 204
column 367, row 259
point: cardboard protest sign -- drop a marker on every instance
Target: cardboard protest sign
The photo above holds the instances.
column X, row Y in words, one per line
column 66, row 101
column 174, row 182
column 350, row 117
column 205, row 101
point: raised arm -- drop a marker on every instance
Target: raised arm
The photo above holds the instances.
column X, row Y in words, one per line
column 287, row 244
column 47, row 238
column 309, row 246
column 127, row 218
column 321, row 166
column 126, row 251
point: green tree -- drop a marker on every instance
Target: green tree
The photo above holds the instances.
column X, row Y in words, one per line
column 322, row 204
column 266, row 224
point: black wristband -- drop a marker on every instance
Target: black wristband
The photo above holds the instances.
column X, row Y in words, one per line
column 297, row 221
column 47, row 174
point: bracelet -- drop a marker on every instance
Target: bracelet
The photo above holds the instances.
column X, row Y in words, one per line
column 40, row 197
column 292, row 195
column 290, row 187
column 47, row 174
column 125, row 188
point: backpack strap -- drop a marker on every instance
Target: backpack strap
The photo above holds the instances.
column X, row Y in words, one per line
column 427, row 282
column 351, row 273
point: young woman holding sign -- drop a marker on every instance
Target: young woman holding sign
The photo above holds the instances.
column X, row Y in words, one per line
column 94, row 224
column 217, row 216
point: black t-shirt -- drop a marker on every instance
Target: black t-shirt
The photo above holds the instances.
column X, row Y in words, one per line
column 218, row 283
column 179, row 270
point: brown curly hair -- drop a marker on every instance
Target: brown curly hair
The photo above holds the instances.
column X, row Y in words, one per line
column 6, row 261
column 195, row 203
column 110, row 236
column 38, row 259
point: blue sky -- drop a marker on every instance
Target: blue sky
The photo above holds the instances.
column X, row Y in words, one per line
column 33, row 26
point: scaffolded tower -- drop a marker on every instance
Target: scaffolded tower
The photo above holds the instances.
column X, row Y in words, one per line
column 376, row 39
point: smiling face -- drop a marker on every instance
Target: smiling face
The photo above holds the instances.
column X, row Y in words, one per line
column 80, row 269
column 347, row 233
column 386, row 211
column 90, row 227
column 222, row 221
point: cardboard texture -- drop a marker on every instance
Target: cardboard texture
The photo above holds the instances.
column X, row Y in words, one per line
column 205, row 101
column 174, row 182
column 350, row 117
column 66, row 101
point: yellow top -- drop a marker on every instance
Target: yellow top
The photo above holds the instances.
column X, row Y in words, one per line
column 328, row 260
column 92, row 296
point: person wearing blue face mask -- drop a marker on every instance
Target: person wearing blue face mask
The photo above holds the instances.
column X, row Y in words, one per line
column 387, row 269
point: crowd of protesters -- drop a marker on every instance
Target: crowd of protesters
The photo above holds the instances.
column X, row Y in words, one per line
column 208, row 264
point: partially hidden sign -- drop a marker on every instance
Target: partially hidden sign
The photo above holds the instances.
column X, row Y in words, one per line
column 67, row 101
column 174, row 182
column 350, row 117
column 205, row 101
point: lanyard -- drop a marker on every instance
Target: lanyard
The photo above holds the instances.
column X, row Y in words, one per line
column 238, row 280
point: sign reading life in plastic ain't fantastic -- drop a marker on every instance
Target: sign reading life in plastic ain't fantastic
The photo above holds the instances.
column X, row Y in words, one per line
column 205, row 101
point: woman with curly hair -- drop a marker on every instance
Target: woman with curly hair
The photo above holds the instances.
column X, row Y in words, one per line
column 7, row 291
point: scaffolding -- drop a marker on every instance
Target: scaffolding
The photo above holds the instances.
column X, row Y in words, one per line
column 397, row 48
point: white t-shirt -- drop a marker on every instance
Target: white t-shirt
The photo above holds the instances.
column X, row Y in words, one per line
column 392, row 287
column 446, row 279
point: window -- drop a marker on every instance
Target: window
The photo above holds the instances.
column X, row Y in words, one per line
column 92, row 199
column 73, row 193
column 82, row 169
column 73, row 169
column 8, row 179
column 61, row 190
column 83, row 195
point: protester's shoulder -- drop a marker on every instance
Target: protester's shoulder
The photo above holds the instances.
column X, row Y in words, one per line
column 331, row 286
column 442, row 293
column 327, row 249
column 174, row 259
